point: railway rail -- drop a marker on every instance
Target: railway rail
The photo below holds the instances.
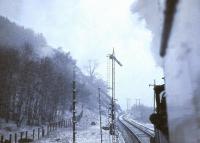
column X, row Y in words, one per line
column 140, row 133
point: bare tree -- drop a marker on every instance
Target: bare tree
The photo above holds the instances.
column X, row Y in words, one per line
column 91, row 69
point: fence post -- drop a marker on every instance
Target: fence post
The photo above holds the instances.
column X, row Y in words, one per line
column 33, row 134
column 42, row 132
column 48, row 128
column 2, row 139
column 38, row 133
column 10, row 139
column 15, row 137
column 26, row 134
column 21, row 135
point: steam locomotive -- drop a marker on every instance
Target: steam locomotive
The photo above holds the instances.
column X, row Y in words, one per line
column 177, row 115
column 159, row 117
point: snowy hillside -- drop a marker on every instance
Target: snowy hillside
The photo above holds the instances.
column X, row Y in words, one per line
column 37, row 83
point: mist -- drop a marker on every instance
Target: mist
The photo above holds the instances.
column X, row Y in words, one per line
column 152, row 12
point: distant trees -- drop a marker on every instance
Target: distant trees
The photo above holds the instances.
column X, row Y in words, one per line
column 141, row 112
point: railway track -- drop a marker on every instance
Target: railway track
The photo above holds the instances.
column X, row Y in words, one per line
column 138, row 133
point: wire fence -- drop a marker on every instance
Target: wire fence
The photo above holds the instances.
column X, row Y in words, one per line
column 37, row 133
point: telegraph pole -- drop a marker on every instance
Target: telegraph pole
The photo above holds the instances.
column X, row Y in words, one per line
column 74, row 106
column 128, row 100
column 113, row 130
column 137, row 102
column 100, row 114
column 127, row 105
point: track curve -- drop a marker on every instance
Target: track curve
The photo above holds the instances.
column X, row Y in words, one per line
column 138, row 132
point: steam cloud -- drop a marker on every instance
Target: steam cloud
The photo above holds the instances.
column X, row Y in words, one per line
column 152, row 12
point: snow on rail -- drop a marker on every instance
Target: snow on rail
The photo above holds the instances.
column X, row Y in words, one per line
column 142, row 133
column 147, row 128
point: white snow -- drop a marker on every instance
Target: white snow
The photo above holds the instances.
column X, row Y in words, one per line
column 86, row 133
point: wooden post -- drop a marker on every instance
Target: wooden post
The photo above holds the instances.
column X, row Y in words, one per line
column 33, row 134
column 47, row 129
column 38, row 133
column 26, row 134
column 10, row 139
column 42, row 132
column 21, row 135
column 15, row 137
column 2, row 139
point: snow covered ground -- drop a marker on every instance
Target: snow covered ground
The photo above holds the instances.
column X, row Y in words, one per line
column 90, row 135
column 86, row 133
column 10, row 128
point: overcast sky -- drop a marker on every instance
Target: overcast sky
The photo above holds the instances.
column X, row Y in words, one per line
column 89, row 29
